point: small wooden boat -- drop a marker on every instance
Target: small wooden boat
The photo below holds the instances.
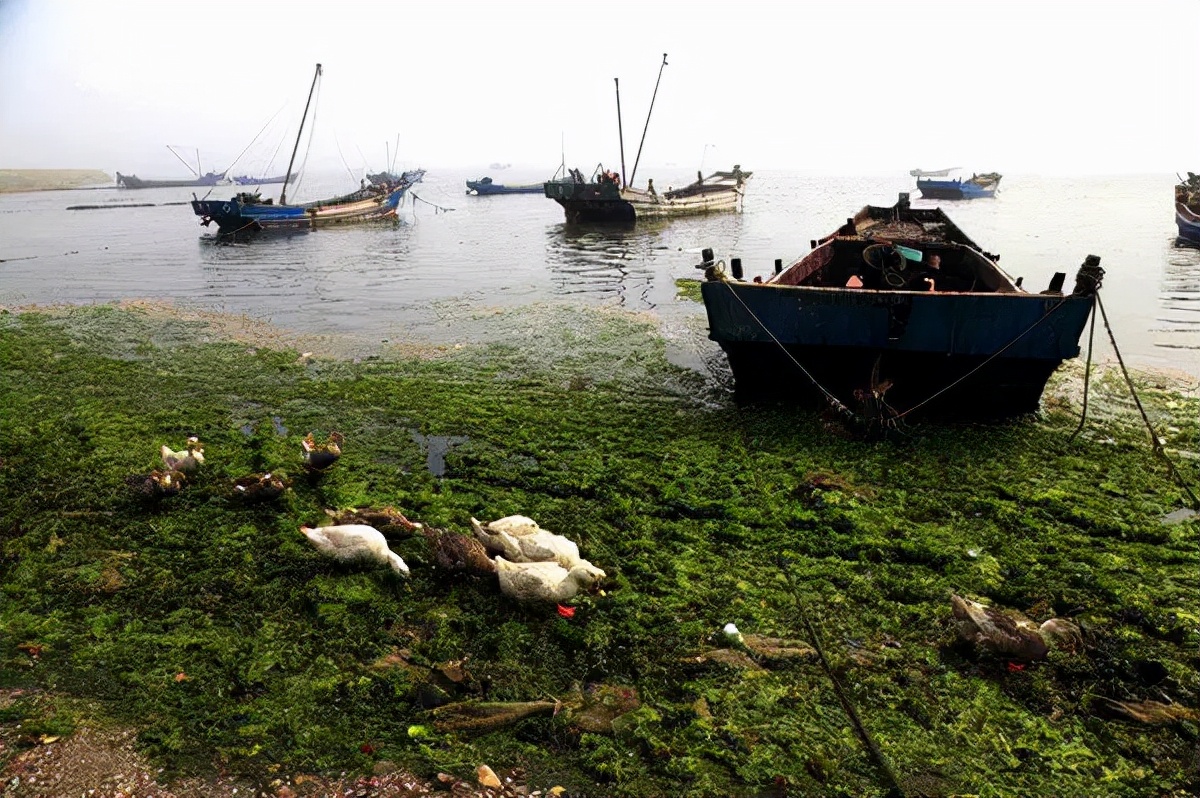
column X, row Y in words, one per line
column 898, row 306
column 1187, row 209
column 977, row 186
column 247, row 213
column 484, row 187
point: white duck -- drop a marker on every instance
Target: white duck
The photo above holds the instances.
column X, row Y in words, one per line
column 544, row 581
column 354, row 543
column 527, row 542
column 186, row 461
column 515, row 525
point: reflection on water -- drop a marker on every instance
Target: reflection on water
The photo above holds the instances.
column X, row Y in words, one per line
column 1180, row 298
column 602, row 262
column 428, row 276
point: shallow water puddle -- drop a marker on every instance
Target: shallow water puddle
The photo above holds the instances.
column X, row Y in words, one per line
column 436, row 447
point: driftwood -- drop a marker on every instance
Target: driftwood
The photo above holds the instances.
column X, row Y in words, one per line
column 487, row 715
column 1149, row 713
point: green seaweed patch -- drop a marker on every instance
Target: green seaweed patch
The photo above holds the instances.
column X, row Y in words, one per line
column 215, row 629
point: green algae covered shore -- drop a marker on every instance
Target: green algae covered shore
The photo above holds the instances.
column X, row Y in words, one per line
column 15, row 180
column 209, row 626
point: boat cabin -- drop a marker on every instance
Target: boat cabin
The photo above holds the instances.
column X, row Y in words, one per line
column 898, row 249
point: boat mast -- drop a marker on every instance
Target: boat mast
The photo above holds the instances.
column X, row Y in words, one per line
column 300, row 132
column 620, row 132
column 647, row 127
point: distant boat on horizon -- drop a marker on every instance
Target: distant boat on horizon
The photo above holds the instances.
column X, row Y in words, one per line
column 247, row 180
column 208, row 179
column 484, row 186
column 978, row 186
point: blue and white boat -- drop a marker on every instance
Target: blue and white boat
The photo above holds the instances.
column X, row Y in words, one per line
column 247, row 213
column 942, row 187
column 1187, row 209
column 484, row 187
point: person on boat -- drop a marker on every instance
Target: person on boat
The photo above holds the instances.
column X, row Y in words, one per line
column 650, row 187
column 925, row 278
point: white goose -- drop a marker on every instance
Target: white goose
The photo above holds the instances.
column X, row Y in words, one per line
column 186, row 461
column 519, row 539
column 544, row 581
column 354, row 543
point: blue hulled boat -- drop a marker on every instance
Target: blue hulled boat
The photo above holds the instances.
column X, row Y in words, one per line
column 247, row 213
column 484, row 186
column 1187, row 209
column 1188, row 222
column 977, row 186
column 900, row 305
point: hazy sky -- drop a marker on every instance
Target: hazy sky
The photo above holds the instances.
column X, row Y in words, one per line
column 878, row 85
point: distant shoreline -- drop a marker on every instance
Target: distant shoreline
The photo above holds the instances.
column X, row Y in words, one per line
column 18, row 180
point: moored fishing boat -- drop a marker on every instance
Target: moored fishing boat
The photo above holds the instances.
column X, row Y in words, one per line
column 608, row 197
column 207, row 179
column 1187, row 209
column 976, row 186
column 603, row 199
column 899, row 308
column 248, row 213
column 199, row 181
column 484, row 186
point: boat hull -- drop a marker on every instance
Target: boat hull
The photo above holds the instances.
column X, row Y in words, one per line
column 1003, row 347
column 582, row 206
column 1188, row 223
column 955, row 189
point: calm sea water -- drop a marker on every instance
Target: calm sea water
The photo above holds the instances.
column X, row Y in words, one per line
column 452, row 254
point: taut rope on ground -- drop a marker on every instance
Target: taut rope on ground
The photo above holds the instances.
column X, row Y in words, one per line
column 1154, row 440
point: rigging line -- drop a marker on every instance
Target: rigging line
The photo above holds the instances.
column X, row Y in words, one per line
column 185, row 163
column 989, row 358
column 338, row 144
column 1087, row 375
column 833, row 400
column 1158, row 447
column 251, row 144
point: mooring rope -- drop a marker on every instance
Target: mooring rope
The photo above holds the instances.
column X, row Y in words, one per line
column 1087, row 372
column 1158, row 447
column 987, row 360
column 427, row 202
column 833, row 400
